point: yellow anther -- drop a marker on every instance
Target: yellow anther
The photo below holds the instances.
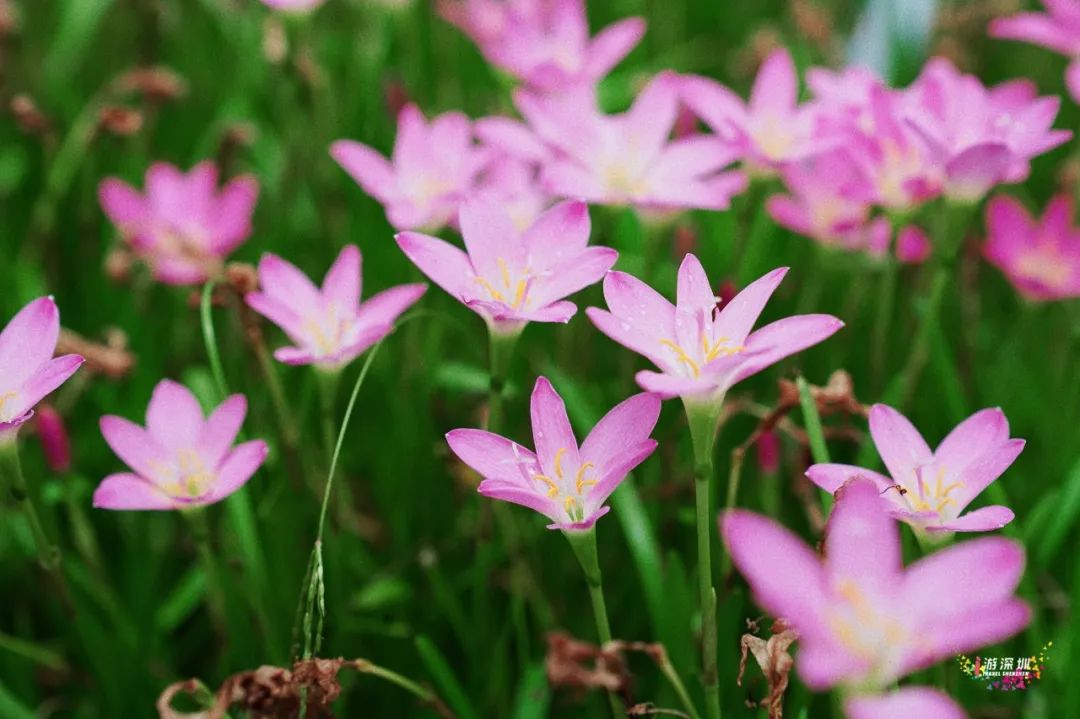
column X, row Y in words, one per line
column 570, row 502
column 558, row 461
column 682, row 356
column 7, row 397
column 579, row 481
column 553, row 489
column 505, row 272
column 494, row 293
column 519, row 294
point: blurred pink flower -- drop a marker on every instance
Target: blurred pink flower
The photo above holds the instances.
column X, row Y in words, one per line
column 544, row 43
column 183, row 227
column 830, row 197
column 982, row 136
column 864, row 620
column 1040, row 257
column 329, row 325
column 768, row 130
column 702, row 351
column 55, row 442
column 565, row 483
column 509, row 277
column 913, row 245
column 929, row 489
column 434, row 167
column 629, row 159
column 514, row 184
column 905, row 703
column 293, row 5
column 180, row 460
column 28, row 371
column 1058, row 30
column 767, row 447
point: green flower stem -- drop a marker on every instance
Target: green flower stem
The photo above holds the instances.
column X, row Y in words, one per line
column 704, row 420
column 501, row 349
column 584, row 545
column 12, row 477
column 328, row 381
column 812, row 422
column 215, row 599
column 738, row 455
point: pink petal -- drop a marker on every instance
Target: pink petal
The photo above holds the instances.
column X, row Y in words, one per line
column 584, row 524
column 566, row 178
column 616, row 468
column 966, row 576
column 986, row 468
column 783, row 338
column 976, row 170
column 385, row 307
column 720, row 108
column 972, row 437
column 512, row 137
column 985, row 519
column 899, row 444
column 28, row 341
column 694, row 294
column 516, row 494
column 558, row 235
column 295, row 356
column 232, row 214
column 651, row 118
column 612, row 44
column 831, row 477
column 738, row 317
column 644, row 317
column 174, row 417
column 221, row 429
column 47, row 378
column 862, row 544
column 131, row 492
column 490, row 236
column 123, row 205
column 237, row 468
column 905, row 703
column 343, row 280
column 776, row 88
column 283, row 281
column 492, row 456
column 560, row 312
column 278, row 312
column 785, row 575
column 692, row 157
column 368, row 168
column 1009, row 228
column 1037, row 29
column 668, row 386
column 446, row 265
column 1072, row 79
column 588, row 267
column 134, row 445
column 552, row 433
column 982, row 625
column 627, row 424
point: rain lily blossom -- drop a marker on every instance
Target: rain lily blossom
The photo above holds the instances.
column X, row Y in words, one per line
column 509, row 277
column 930, row 489
column 1041, row 257
column 983, row 136
column 864, row 620
column 565, row 482
column 182, row 226
column 905, row 703
column 434, row 166
column 1058, row 30
column 768, row 130
column 180, row 460
column 28, row 370
column 329, row 325
column 702, row 351
column 545, row 43
column 629, row 158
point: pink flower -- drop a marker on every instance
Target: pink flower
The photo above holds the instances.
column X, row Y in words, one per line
column 905, row 703
column 293, row 5
column 864, row 620
column 1058, row 30
column 509, row 277
column 566, row 483
column 183, row 226
column 329, row 326
column 830, row 198
column 628, row 159
column 912, row 245
column 28, row 371
column 1040, row 257
column 513, row 184
column 545, row 43
column 982, row 136
column 700, row 351
column 768, row 130
column 434, row 166
column 55, row 442
column 929, row 489
column 180, row 460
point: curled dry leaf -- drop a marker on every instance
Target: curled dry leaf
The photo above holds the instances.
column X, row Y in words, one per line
column 580, row 665
column 111, row 359
column 775, row 661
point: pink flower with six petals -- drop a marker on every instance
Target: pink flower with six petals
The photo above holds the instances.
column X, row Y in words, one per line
column 509, row 277
column 180, row 460
column 566, row 483
column 1057, row 30
column 28, row 371
column 1040, row 257
column 864, row 620
column 183, row 227
column 329, row 325
column 929, row 489
column 702, row 351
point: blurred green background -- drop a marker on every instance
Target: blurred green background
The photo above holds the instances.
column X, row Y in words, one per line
column 417, row 574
